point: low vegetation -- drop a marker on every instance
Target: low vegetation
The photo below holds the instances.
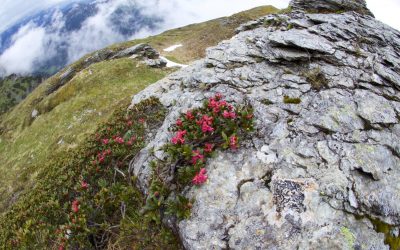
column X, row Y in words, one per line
column 75, row 111
column 199, row 134
column 291, row 100
column 86, row 197
column 316, row 78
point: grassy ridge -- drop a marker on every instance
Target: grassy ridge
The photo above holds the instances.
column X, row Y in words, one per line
column 78, row 107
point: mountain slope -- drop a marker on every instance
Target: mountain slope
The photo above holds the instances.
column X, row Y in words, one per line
column 70, row 105
column 284, row 137
column 13, row 89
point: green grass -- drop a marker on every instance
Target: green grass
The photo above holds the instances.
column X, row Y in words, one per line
column 76, row 110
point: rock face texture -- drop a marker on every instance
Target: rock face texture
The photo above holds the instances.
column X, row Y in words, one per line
column 331, row 6
column 314, row 173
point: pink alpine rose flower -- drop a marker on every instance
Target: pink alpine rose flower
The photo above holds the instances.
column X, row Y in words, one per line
column 222, row 104
column 75, row 206
column 105, row 141
column 101, row 157
column 229, row 115
column 179, row 123
column 197, row 156
column 179, row 137
column 200, row 177
column 208, row 147
column 207, row 119
column 189, row 115
column 84, row 185
column 119, row 140
column 206, row 128
column 212, row 103
column 233, row 142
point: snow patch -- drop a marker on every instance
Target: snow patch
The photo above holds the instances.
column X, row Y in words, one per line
column 171, row 64
column 173, row 47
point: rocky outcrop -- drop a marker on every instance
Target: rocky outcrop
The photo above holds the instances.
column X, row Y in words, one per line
column 145, row 52
column 98, row 56
column 313, row 173
column 331, row 6
column 140, row 50
column 64, row 77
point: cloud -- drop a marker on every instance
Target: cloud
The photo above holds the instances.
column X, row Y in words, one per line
column 28, row 47
column 13, row 10
column 31, row 46
column 96, row 32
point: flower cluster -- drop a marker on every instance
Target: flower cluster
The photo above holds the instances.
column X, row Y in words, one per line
column 179, row 137
column 199, row 132
column 110, row 148
column 200, row 177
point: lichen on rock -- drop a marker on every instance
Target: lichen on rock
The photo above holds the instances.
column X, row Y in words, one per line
column 311, row 168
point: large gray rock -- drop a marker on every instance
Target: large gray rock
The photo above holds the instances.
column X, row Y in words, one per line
column 312, row 173
column 67, row 75
column 98, row 56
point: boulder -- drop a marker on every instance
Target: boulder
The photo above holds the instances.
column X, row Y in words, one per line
column 65, row 76
column 314, row 175
column 98, row 56
column 156, row 63
column 141, row 50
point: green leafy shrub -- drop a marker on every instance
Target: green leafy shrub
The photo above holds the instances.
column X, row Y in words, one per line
column 86, row 198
